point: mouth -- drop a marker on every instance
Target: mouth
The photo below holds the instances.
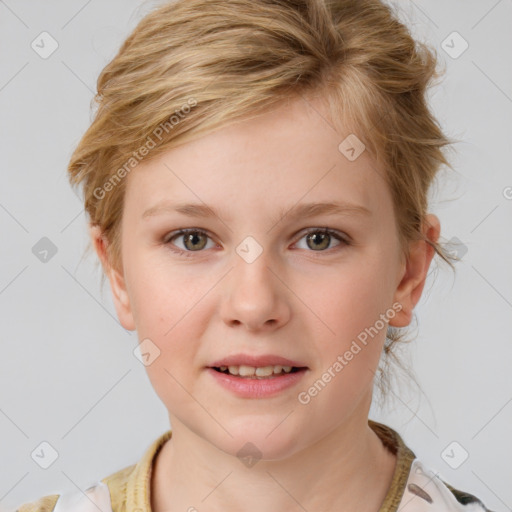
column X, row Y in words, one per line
column 256, row 377
column 260, row 372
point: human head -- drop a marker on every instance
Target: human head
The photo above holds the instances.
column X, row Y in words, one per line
column 192, row 66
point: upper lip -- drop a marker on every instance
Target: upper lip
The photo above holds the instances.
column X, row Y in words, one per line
column 256, row 361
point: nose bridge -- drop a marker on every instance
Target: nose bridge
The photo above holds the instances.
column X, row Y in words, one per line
column 255, row 297
column 251, row 276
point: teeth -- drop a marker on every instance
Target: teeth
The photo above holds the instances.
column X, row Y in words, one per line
column 251, row 371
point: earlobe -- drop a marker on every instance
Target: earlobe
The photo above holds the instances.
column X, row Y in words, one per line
column 410, row 287
column 116, row 279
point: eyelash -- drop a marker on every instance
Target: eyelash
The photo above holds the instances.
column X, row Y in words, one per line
column 171, row 236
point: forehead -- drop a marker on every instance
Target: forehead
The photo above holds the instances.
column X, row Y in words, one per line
column 289, row 154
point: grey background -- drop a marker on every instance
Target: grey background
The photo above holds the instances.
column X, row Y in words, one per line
column 68, row 375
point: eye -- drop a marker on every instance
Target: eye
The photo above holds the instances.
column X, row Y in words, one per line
column 193, row 240
column 319, row 239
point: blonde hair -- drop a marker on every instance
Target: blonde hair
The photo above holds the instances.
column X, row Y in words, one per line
column 191, row 66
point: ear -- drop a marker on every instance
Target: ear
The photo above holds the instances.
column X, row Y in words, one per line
column 408, row 292
column 115, row 277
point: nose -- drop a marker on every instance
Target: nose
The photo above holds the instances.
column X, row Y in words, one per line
column 255, row 297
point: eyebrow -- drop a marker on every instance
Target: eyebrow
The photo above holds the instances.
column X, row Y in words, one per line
column 302, row 210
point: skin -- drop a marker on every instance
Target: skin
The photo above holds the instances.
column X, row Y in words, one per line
column 294, row 300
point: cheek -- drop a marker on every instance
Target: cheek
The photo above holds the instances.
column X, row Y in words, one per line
column 161, row 296
column 351, row 306
column 167, row 310
column 349, row 359
column 353, row 299
column 171, row 315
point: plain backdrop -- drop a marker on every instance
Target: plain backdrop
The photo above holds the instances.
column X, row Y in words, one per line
column 68, row 373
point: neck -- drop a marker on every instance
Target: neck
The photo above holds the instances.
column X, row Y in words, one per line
column 348, row 470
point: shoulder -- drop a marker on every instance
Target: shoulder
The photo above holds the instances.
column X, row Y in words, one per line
column 425, row 491
column 467, row 499
column 122, row 491
column 44, row 504
column 96, row 497
column 105, row 495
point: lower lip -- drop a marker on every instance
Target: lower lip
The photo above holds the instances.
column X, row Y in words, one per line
column 245, row 387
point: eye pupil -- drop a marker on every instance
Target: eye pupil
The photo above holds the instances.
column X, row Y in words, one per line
column 193, row 238
column 318, row 237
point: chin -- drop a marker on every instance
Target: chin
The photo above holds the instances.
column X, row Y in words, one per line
column 251, row 443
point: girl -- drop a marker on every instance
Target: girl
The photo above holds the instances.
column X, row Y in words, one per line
column 256, row 179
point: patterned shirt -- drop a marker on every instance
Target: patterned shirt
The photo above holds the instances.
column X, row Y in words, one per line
column 414, row 487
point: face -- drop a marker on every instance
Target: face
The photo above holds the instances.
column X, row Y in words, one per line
column 263, row 275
